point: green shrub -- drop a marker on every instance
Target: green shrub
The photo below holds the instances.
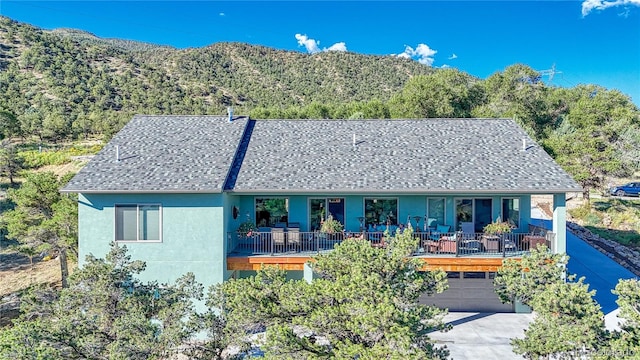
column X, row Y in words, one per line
column 33, row 159
column 592, row 219
column 36, row 158
column 580, row 212
column 77, row 150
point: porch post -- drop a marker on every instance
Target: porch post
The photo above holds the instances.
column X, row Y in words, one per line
column 559, row 226
column 307, row 273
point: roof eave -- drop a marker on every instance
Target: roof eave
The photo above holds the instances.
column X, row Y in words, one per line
column 161, row 191
column 407, row 191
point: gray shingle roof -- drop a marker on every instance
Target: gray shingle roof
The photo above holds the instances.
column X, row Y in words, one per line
column 434, row 155
column 196, row 154
column 164, row 154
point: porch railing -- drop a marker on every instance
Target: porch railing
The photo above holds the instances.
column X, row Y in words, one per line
column 430, row 243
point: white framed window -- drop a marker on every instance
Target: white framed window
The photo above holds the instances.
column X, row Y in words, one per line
column 138, row 222
column 511, row 211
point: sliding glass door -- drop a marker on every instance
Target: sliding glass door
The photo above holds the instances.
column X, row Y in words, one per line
column 477, row 211
column 321, row 208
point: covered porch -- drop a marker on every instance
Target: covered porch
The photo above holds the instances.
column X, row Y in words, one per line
column 448, row 224
column 288, row 242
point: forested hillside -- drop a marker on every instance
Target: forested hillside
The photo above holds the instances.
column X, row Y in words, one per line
column 69, row 84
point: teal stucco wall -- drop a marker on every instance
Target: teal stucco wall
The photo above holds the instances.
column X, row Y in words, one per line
column 193, row 234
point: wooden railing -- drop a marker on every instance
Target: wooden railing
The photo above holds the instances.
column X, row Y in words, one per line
column 430, row 243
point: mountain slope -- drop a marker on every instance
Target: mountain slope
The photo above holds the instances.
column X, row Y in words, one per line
column 72, row 74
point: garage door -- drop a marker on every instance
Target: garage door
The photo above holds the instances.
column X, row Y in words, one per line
column 469, row 291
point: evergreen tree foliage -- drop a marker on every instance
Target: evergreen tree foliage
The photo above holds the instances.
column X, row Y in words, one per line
column 107, row 313
column 626, row 342
column 362, row 304
column 447, row 93
column 593, row 138
column 523, row 279
column 10, row 162
column 568, row 324
column 43, row 219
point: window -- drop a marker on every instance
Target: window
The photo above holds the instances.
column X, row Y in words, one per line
column 435, row 212
column 272, row 211
column 511, row 211
column 380, row 211
column 138, row 223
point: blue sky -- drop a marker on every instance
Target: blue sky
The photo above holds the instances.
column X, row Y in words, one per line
column 589, row 41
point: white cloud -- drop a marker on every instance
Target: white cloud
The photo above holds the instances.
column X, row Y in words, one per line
column 422, row 53
column 313, row 46
column 589, row 5
column 341, row 46
column 221, row 14
column 453, row 56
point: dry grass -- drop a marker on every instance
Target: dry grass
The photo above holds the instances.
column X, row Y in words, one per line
column 60, row 170
column 16, row 273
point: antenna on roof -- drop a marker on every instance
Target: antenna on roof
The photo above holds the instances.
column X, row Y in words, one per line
column 117, row 153
column 230, row 113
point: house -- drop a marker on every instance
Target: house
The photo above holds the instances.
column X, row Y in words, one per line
column 175, row 189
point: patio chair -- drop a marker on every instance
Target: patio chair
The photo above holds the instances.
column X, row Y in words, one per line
column 441, row 230
column 509, row 242
column 294, row 238
column 468, row 242
column 277, row 236
column 431, row 223
column 468, row 231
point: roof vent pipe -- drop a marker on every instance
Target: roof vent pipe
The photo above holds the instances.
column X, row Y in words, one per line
column 230, row 113
column 117, row 153
column 524, row 144
column 354, row 141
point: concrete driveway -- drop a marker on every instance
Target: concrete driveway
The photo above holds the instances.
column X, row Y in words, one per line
column 482, row 335
column 487, row 335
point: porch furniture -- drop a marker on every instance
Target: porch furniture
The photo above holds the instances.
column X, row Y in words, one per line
column 449, row 244
column 509, row 242
column 468, row 230
column 468, row 241
column 431, row 246
column 532, row 241
column 278, row 238
column 432, row 223
column 470, row 246
column 440, row 230
column 294, row 238
column 491, row 243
